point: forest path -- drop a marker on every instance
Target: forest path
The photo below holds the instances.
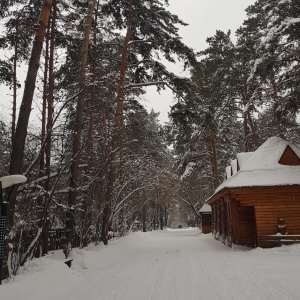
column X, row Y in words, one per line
column 182, row 264
column 178, row 264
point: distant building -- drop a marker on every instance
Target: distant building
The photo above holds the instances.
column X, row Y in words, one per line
column 206, row 215
column 260, row 197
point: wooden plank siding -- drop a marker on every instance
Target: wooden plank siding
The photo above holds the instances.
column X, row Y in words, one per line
column 267, row 219
column 254, row 212
column 235, row 233
column 270, row 204
column 267, row 195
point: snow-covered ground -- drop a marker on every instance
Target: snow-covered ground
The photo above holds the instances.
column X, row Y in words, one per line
column 178, row 264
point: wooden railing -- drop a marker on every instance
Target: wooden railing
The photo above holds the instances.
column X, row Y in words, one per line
column 279, row 239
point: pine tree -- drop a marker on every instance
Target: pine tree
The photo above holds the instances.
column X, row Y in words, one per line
column 150, row 30
column 25, row 109
column 277, row 59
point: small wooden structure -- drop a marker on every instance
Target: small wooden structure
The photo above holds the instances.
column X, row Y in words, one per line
column 262, row 189
column 206, row 215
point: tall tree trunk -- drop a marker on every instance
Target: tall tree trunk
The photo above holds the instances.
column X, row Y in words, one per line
column 86, row 210
column 50, row 101
column 166, row 216
column 90, row 141
column 70, row 220
column 44, row 104
column 144, row 211
column 144, row 217
column 246, row 148
column 24, row 114
column 214, row 159
column 161, row 218
column 25, row 108
column 117, row 127
column 245, row 101
column 106, row 151
column 41, row 202
column 252, row 128
column 106, row 223
column 14, row 108
column 279, row 123
column 85, row 216
column 50, row 111
column 93, row 93
column 98, row 220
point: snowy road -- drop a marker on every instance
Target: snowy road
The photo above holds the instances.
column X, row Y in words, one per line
column 164, row 265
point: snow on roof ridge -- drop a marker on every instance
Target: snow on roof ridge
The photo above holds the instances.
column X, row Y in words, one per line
column 233, row 165
column 228, row 172
column 268, row 155
column 255, row 170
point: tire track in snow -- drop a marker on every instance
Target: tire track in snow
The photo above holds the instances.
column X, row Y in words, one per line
column 153, row 280
column 178, row 266
column 255, row 281
column 221, row 285
column 250, row 284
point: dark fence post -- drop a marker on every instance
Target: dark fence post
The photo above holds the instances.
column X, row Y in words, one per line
column 2, row 229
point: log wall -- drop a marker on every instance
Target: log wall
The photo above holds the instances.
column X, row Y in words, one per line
column 254, row 212
column 270, row 204
column 267, row 218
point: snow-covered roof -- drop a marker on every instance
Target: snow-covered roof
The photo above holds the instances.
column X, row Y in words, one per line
column 228, row 172
column 205, row 208
column 243, row 157
column 12, row 179
column 261, row 168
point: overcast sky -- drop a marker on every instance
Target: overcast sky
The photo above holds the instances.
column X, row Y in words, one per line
column 204, row 18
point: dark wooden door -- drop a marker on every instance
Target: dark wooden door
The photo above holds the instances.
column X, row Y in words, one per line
column 247, row 228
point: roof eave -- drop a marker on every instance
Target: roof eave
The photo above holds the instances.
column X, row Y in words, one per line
column 226, row 190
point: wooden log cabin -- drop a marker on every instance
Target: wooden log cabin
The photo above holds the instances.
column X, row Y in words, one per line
column 260, row 197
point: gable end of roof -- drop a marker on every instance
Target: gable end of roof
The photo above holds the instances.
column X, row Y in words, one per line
column 289, row 157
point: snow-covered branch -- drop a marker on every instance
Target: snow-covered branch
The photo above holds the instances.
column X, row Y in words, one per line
column 138, row 41
column 141, row 62
column 119, row 205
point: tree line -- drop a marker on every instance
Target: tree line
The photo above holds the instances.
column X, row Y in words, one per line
column 240, row 93
column 99, row 164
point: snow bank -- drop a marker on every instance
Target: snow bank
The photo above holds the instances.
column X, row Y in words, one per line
column 159, row 265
